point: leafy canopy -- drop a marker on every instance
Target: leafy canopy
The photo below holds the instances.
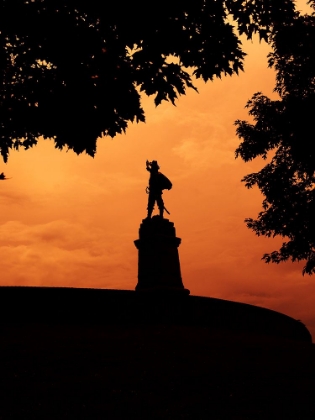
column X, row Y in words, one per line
column 74, row 70
column 285, row 129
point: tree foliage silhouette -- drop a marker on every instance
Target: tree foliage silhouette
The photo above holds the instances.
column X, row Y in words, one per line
column 285, row 129
column 74, row 70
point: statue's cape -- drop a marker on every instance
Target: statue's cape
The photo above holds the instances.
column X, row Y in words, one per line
column 164, row 182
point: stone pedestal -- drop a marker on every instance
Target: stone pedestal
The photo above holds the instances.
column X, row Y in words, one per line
column 158, row 261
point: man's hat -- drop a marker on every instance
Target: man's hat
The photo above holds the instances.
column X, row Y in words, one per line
column 155, row 164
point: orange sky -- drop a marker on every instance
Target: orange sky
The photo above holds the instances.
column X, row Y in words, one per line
column 71, row 220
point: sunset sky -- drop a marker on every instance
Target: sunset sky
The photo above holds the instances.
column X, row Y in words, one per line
column 71, row 220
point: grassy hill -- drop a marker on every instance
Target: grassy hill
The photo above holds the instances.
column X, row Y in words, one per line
column 106, row 354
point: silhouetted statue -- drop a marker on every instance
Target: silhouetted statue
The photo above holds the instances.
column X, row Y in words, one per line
column 157, row 245
column 157, row 183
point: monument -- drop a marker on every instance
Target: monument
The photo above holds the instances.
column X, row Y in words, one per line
column 158, row 258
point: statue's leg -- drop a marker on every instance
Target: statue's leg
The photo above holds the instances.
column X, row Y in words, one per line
column 160, row 204
column 151, row 202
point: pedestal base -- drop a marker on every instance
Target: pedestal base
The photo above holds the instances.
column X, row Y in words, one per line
column 158, row 262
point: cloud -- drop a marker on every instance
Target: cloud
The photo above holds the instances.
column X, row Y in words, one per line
column 12, row 197
column 63, row 254
column 202, row 154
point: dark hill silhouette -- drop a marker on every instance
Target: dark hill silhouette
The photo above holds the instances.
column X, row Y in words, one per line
column 87, row 353
column 101, row 306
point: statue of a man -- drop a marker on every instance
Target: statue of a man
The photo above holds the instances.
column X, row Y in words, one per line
column 157, row 183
